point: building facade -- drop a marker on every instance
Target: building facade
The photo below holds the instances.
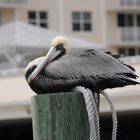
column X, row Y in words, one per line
column 123, row 26
column 115, row 24
column 72, row 17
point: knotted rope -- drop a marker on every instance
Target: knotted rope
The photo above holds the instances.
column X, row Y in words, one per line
column 93, row 115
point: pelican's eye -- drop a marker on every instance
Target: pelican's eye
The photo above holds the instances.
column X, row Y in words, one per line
column 60, row 47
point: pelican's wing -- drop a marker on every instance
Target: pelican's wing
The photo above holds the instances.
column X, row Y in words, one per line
column 89, row 64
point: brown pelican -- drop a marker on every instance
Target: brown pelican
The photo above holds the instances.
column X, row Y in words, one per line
column 59, row 71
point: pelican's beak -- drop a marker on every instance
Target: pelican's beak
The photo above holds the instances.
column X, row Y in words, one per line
column 43, row 63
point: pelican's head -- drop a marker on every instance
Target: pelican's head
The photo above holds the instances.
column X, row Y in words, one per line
column 59, row 47
column 61, row 43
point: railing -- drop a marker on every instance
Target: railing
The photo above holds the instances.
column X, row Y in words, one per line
column 129, row 2
column 131, row 59
column 130, row 34
column 12, row 1
column 122, row 4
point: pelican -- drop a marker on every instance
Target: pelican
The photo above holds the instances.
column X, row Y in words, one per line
column 60, row 71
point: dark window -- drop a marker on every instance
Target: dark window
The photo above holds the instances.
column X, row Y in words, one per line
column 0, row 17
column 43, row 15
column 125, row 20
column 121, row 20
column 76, row 16
column 76, row 26
column 138, row 20
column 81, row 21
column 38, row 18
column 138, row 51
column 131, row 51
column 129, row 20
column 87, row 27
column 87, row 15
column 32, row 15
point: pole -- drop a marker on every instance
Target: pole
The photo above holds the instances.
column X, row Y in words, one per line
column 60, row 116
column 61, row 15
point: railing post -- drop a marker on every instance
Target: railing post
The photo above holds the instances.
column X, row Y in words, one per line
column 60, row 116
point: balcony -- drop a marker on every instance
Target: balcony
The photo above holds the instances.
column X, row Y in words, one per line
column 12, row 3
column 127, row 36
column 131, row 59
column 130, row 34
column 123, row 5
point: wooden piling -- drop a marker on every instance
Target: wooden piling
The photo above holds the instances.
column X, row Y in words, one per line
column 60, row 116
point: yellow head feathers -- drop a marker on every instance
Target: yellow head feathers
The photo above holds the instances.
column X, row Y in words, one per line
column 61, row 40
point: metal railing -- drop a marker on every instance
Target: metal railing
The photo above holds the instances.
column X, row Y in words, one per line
column 130, row 34
column 131, row 59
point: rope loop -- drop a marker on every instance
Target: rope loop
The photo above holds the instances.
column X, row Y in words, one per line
column 93, row 115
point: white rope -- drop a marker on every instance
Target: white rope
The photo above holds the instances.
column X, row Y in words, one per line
column 96, row 114
column 114, row 115
column 92, row 113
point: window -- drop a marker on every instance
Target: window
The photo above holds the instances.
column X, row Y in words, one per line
column 138, row 51
column 130, row 26
column 138, row 20
column 121, row 22
column 131, row 51
column 125, row 20
column 128, row 20
column 38, row 18
column 81, row 21
column 0, row 18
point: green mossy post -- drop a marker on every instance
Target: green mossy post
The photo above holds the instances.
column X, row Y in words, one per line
column 60, row 116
